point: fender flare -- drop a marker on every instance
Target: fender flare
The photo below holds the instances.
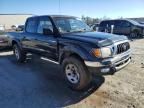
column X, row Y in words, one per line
column 72, row 50
column 17, row 42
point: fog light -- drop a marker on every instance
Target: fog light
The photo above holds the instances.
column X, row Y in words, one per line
column 105, row 70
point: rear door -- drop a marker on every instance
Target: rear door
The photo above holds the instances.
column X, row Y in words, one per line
column 30, row 34
column 125, row 27
column 122, row 27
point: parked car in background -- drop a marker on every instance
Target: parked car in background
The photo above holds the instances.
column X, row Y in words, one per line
column 20, row 28
column 95, row 27
column 127, row 27
column 3, row 40
column 13, row 27
column 17, row 27
column 72, row 44
column 2, row 28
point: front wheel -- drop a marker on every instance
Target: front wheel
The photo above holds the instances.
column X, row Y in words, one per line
column 19, row 54
column 76, row 73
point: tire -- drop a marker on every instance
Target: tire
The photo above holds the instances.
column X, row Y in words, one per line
column 134, row 34
column 19, row 54
column 75, row 73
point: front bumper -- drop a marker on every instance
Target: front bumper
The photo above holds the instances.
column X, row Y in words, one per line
column 110, row 65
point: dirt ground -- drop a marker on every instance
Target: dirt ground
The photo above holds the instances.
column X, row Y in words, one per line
column 37, row 84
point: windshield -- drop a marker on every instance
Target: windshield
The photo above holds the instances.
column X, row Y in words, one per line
column 69, row 25
column 134, row 22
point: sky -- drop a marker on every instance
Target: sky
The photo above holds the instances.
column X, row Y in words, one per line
column 91, row 8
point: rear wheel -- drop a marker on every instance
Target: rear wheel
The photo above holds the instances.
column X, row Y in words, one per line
column 19, row 54
column 134, row 34
column 76, row 74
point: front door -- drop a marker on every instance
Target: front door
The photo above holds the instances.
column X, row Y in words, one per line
column 46, row 45
column 117, row 27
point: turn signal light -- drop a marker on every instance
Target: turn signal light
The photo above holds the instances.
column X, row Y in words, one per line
column 96, row 52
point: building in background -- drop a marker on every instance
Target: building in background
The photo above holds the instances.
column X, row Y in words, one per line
column 8, row 20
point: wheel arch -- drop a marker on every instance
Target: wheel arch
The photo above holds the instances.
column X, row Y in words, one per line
column 16, row 42
column 78, row 53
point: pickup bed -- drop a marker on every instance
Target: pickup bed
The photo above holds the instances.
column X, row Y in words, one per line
column 71, row 43
column 3, row 40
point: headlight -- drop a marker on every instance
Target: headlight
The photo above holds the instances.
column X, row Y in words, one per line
column 102, row 52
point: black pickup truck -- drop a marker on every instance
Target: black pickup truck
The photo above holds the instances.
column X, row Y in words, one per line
column 71, row 43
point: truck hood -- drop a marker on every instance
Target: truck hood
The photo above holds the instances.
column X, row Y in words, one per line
column 99, row 38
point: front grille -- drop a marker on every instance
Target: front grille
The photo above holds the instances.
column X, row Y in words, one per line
column 123, row 47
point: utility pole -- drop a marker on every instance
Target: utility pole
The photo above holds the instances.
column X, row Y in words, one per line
column 59, row 7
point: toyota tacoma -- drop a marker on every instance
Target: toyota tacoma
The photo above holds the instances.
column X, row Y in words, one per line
column 70, row 42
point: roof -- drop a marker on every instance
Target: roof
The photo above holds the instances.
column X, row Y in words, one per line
column 128, row 19
column 54, row 16
column 138, row 19
column 115, row 19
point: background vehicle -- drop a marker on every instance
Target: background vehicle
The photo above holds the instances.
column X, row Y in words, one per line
column 20, row 28
column 123, row 27
column 3, row 40
column 2, row 28
column 17, row 27
column 13, row 27
column 95, row 27
column 70, row 42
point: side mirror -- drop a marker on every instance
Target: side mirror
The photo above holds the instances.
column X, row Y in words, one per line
column 47, row 31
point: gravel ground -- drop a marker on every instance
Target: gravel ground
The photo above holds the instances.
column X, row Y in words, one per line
column 37, row 84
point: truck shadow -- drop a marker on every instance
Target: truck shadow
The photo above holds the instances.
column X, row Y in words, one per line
column 38, row 83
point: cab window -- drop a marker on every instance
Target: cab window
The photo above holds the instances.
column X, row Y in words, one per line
column 44, row 23
column 117, row 23
column 31, row 25
column 104, row 24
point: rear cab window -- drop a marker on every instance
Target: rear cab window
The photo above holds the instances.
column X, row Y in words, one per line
column 31, row 25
